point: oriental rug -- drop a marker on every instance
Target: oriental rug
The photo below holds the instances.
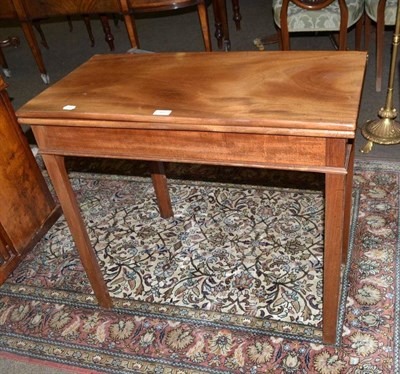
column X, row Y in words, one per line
column 231, row 284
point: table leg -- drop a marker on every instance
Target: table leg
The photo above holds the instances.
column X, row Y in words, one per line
column 38, row 28
column 10, row 41
column 221, row 24
column 334, row 204
column 161, row 189
column 27, row 28
column 129, row 24
column 348, row 205
column 237, row 17
column 86, row 19
column 203, row 17
column 109, row 37
column 59, row 177
column 4, row 64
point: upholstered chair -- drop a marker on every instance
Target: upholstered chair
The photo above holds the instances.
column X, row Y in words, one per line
column 383, row 13
column 318, row 16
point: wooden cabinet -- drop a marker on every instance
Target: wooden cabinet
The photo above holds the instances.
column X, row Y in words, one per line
column 27, row 208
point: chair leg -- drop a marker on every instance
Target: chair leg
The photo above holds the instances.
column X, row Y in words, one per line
column 334, row 38
column 343, row 41
column 283, row 34
column 283, row 40
column 277, row 37
column 202, row 11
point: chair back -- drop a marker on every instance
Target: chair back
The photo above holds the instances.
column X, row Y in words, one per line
column 313, row 5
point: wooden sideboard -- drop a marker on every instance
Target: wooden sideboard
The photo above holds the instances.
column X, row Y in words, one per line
column 26, row 11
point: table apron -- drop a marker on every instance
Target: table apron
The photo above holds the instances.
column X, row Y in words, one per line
column 254, row 150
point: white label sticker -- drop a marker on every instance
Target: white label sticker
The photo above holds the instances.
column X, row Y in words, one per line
column 162, row 112
column 69, row 107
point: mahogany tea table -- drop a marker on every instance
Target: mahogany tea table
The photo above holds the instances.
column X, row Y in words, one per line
column 294, row 110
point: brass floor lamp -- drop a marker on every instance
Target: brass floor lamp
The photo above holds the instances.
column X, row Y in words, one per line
column 385, row 130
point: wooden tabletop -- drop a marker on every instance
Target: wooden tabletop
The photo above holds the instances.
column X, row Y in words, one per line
column 239, row 91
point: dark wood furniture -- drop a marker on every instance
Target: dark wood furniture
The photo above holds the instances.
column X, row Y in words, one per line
column 149, row 6
column 27, row 207
column 221, row 22
column 26, row 12
column 9, row 41
column 6, row 12
column 109, row 38
column 237, row 17
column 283, row 110
column 145, row 6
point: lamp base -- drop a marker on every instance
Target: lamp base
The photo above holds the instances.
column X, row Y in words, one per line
column 381, row 131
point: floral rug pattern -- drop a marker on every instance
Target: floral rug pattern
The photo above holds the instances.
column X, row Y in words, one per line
column 231, row 284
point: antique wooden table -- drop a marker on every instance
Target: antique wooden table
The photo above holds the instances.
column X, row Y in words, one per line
column 281, row 110
column 26, row 11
